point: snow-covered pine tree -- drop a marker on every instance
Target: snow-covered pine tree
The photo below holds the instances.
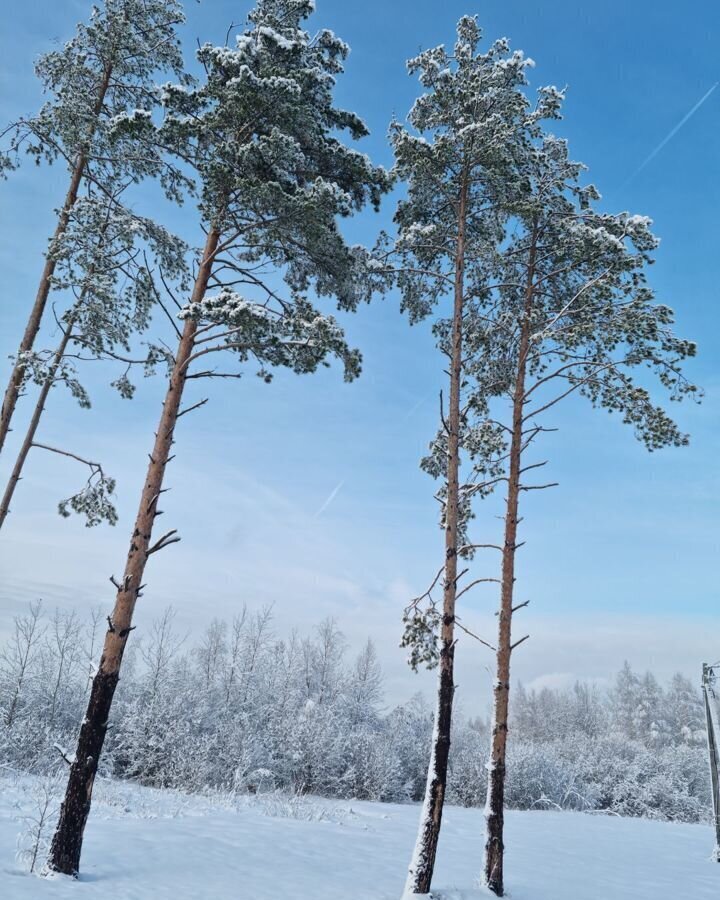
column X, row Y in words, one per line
column 571, row 313
column 457, row 158
column 97, row 122
column 104, row 262
column 262, row 134
column 683, row 711
column 624, row 701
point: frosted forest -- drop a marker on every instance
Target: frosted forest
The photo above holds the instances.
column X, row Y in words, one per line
column 248, row 711
column 228, row 240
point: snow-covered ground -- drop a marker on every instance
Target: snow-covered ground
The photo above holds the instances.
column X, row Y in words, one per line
column 143, row 844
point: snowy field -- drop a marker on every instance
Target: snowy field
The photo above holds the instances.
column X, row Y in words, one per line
column 144, row 844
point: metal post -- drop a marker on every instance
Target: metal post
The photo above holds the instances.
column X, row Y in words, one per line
column 712, row 701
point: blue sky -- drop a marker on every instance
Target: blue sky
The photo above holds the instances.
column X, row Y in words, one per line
column 621, row 559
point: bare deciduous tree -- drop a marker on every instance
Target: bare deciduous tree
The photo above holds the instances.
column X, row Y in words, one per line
column 17, row 657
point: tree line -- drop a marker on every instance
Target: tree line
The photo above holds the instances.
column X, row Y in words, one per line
column 247, row 710
column 535, row 293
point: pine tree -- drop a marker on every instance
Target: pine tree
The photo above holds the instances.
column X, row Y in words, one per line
column 457, row 158
column 684, row 711
column 570, row 314
column 261, row 134
column 624, row 700
column 650, row 723
column 98, row 123
column 104, row 261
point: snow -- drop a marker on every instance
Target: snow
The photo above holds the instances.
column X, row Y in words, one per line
column 144, row 844
column 246, row 42
column 277, row 38
column 132, row 115
column 418, row 858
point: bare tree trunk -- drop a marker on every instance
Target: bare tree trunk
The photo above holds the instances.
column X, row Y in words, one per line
column 67, row 841
column 495, row 806
column 12, row 391
column 27, row 443
column 714, row 754
column 57, row 359
column 423, row 862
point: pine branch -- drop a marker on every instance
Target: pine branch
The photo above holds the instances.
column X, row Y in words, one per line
column 191, row 408
column 538, row 487
column 473, row 635
column 517, row 643
column 164, row 541
column 473, row 583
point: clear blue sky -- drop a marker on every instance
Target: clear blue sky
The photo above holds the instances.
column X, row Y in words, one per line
column 621, row 560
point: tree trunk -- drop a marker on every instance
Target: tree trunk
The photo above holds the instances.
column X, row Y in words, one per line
column 67, row 841
column 714, row 755
column 423, row 862
column 12, row 391
column 495, row 805
column 27, row 443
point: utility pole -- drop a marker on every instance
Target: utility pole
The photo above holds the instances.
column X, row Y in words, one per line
column 712, row 707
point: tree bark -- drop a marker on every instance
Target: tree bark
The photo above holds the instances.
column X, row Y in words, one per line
column 27, row 443
column 32, row 428
column 714, row 755
column 12, row 391
column 423, row 863
column 67, row 841
column 495, row 805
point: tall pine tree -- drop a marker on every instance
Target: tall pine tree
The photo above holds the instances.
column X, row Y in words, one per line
column 263, row 137
column 104, row 266
column 97, row 123
column 567, row 312
column 458, row 158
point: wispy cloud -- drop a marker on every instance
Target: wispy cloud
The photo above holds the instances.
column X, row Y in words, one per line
column 329, row 499
column 671, row 134
column 414, row 408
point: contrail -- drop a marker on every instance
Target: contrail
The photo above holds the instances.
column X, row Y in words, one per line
column 415, row 407
column 329, row 499
column 674, row 131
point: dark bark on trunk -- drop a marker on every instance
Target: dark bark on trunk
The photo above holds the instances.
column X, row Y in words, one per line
column 421, row 870
column 495, row 807
column 714, row 754
column 27, row 443
column 12, row 392
column 67, row 841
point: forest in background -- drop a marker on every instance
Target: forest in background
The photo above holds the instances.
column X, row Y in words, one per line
column 246, row 710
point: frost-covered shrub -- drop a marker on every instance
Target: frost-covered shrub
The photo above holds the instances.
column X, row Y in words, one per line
column 245, row 713
column 37, row 823
column 467, row 779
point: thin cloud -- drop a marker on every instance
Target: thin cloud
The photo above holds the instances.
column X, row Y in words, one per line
column 414, row 408
column 329, row 499
column 671, row 134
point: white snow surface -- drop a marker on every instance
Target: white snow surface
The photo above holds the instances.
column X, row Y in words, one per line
column 144, row 844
